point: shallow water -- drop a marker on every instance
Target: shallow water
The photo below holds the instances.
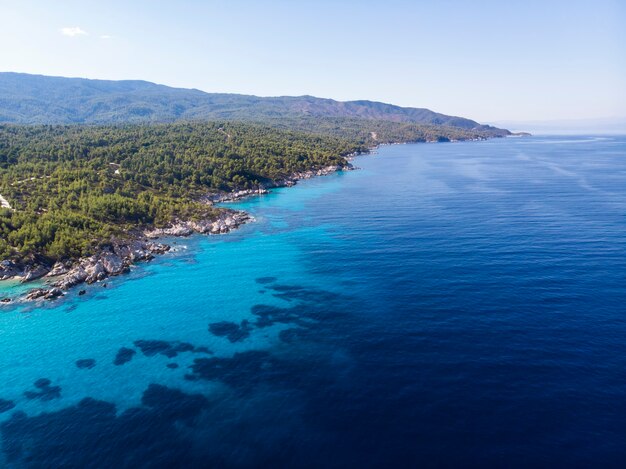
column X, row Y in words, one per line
column 448, row 304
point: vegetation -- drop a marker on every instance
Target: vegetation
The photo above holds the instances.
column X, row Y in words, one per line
column 375, row 132
column 35, row 99
column 73, row 187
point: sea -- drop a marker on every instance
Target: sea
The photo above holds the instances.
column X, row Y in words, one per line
column 446, row 305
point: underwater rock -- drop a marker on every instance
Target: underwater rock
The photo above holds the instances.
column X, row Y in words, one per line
column 124, row 355
column 243, row 370
column 173, row 403
column 86, row 363
column 268, row 315
column 266, row 280
column 45, row 392
column 290, row 335
column 150, row 348
column 6, row 405
column 92, row 434
column 234, row 332
column 42, row 383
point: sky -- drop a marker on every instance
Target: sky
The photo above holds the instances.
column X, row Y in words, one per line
column 487, row 60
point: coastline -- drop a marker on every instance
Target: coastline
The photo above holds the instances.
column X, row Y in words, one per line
column 118, row 255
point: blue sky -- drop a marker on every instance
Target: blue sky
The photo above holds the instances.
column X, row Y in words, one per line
column 489, row 60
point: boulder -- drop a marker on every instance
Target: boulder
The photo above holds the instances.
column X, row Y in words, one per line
column 59, row 268
column 138, row 251
column 176, row 229
column 36, row 294
column 201, row 226
column 34, row 272
column 157, row 248
column 43, row 293
column 95, row 271
column 73, row 277
column 112, row 263
column 53, row 293
column 8, row 269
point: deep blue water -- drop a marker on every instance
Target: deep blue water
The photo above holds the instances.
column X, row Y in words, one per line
column 457, row 304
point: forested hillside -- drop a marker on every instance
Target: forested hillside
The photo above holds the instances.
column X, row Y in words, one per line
column 36, row 99
column 73, row 187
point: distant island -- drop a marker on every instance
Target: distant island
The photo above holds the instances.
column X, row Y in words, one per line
column 83, row 202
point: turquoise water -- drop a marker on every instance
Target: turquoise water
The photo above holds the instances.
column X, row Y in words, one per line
column 447, row 304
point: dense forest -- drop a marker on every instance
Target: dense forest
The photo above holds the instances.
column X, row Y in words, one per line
column 73, row 187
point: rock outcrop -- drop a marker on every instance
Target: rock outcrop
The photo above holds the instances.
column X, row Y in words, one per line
column 9, row 269
column 59, row 268
column 34, row 272
column 111, row 261
column 44, row 294
column 226, row 222
column 286, row 182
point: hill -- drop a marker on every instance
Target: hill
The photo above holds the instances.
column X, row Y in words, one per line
column 38, row 99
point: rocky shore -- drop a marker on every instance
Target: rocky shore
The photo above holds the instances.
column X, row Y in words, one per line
column 118, row 255
column 112, row 259
column 286, row 182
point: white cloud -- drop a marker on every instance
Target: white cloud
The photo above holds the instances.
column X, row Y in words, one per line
column 106, row 36
column 73, row 31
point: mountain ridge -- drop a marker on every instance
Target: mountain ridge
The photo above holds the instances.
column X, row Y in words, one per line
column 41, row 99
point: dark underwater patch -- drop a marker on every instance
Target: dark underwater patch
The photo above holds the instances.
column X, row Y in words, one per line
column 6, row 405
column 297, row 292
column 124, row 355
column 172, row 366
column 42, row 383
column 86, row 363
column 268, row 315
column 290, row 335
column 238, row 370
column 246, row 371
column 45, row 390
column 173, row 403
column 266, row 280
column 90, row 434
column 151, row 348
column 232, row 331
